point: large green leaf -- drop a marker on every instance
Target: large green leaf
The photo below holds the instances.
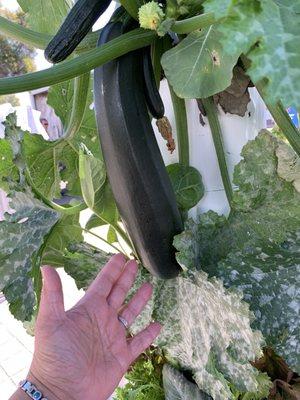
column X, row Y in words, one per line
column 187, row 184
column 8, row 170
column 50, row 163
column 206, row 330
column 292, row 5
column 257, row 248
column 61, row 99
column 198, row 67
column 12, row 166
column 21, row 236
column 83, row 262
column 66, row 231
column 274, row 30
column 92, row 177
column 45, row 15
column 177, row 387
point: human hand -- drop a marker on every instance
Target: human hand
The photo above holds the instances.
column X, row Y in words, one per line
column 83, row 353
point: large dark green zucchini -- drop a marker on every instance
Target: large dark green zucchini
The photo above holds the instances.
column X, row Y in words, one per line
column 77, row 24
column 135, row 167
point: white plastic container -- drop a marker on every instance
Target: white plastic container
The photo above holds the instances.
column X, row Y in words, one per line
column 236, row 133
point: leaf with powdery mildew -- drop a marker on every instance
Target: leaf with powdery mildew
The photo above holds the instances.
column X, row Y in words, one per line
column 257, row 249
column 202, row 321
column 21, row 236
column 268, row 33
column 83, row 262
column 177, row 387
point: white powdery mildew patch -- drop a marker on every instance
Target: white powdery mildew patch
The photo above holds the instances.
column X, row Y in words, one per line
column 19, row 242
column 206, row 329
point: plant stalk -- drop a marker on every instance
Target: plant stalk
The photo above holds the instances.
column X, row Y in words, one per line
column 103, row 240
column 37, row 39
column 211, row 113
column 283, row 120
column 81, row 89
column 132, row 7
column 278, row 112
column 87, row 61
column 181, row 128
column 194, row 23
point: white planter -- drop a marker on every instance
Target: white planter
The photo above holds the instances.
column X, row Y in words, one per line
column 236, row 132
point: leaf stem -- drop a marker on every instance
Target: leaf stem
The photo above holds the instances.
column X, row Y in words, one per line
column 103, row 240
column 81, row 88
column 85, row 62
column 283, row 120
column 278, row 112
column 211, row 113
column 194, row 23
column 181, row 127
column 37, row 39
column 132, row 7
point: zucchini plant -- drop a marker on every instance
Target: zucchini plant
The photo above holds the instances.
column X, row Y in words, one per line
column 230, row 307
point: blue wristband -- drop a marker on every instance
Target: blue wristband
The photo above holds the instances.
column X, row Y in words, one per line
column 31, row 390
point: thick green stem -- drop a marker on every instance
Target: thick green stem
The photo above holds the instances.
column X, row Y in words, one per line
column 81, row 89
column 181, row 128
column 194, row 23
column 85, row 62
column 211, row 113
column 132, row 7
column 278, row 112
column 283, row 120
column 37, row 39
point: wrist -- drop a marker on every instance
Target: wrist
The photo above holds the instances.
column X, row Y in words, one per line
column 42, row 386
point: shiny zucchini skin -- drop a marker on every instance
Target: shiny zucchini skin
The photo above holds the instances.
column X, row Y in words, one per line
column 77, row 24
column 154, row 101
column 135, row 168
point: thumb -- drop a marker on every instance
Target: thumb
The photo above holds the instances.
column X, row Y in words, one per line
column 52, row 298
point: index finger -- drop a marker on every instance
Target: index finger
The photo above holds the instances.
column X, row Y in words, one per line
column 108, row 276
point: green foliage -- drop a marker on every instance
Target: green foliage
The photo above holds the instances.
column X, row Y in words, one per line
column 45, row 15
column 187, row 184
column 83, row 262
column 144, row 381
column 274, row 27
column 256, row 249
column 92, row 176
column 15, row 58
column 177, row 387
column 49, row 163
column 96, row 189
column 22, row 235
column 12, row 165
column 198, row 66
column 67, row 231
column 206, row 330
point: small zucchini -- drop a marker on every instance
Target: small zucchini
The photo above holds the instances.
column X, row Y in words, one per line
column 77, row 24
column 135, row 168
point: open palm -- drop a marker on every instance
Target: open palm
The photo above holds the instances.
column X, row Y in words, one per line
column 84, row 352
